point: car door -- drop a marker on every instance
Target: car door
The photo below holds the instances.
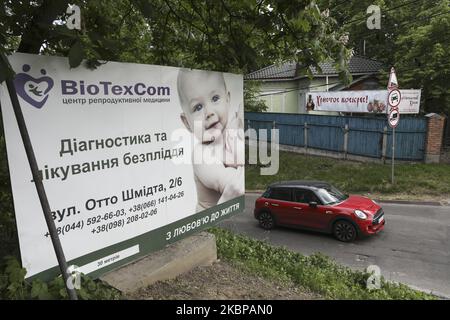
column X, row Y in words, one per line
column 279, row 203
column 299, row 208
column 318, row 216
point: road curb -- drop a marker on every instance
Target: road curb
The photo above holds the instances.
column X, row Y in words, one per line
column 407, row 202
column 412, row 202
column 254, row 191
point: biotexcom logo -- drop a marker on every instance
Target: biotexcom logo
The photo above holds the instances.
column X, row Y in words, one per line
column 33, row 90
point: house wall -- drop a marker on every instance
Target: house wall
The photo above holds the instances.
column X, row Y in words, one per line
column 302, row 85
column 280, row 96
column 291, row 96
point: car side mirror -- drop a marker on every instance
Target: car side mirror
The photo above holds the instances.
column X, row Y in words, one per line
column 313, row 204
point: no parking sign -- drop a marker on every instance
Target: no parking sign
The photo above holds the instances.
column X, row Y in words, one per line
column 394, row 98
column 393, row 117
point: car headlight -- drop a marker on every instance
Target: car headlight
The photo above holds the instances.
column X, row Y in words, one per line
column 360, row 214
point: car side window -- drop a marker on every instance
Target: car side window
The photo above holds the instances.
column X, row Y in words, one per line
column 300, row 195
column 284, row 194
column 312, row 197
column 305, row 196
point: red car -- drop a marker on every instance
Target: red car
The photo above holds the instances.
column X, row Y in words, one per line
column 317, row 205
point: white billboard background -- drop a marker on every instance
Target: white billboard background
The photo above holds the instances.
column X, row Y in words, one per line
column 55, row 121
column 364, row 101
column 410, row 102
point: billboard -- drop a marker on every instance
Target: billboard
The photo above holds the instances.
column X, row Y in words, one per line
column 133, row 157
column 364, row 101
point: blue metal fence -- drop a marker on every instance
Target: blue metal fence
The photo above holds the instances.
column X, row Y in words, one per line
column 365, row 134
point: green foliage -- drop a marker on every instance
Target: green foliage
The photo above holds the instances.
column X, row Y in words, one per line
column 13, row 285
column 316, row 272
column 76, row 54
column 422, row 58
column 233, row 36
column 5, row 68
column 252, row 102
column 413, row 38
column 8, row 232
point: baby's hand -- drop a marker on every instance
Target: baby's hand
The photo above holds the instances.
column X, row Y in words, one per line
column 234, row 148
column 213, row 174
column 235, row 187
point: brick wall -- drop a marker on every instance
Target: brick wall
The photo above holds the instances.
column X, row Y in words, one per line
column 445, row 156
column 435, row 135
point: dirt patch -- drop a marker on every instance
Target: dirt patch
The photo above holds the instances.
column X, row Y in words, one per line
column 221, row 281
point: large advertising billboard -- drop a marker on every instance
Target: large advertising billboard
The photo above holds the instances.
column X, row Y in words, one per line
column 133, row 157
column 364, row 101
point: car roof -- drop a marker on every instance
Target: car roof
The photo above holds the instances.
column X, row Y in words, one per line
column 300, row 183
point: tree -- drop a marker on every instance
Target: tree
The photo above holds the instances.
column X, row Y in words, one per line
column 413, row 38
column 422, row 57
column 251, row 100
column 225, row 35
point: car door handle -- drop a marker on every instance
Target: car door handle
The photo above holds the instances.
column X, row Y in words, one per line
column 298, row 208
column 275, row 205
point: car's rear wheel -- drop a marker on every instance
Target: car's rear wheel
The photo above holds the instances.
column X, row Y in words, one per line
column 344, row 231
column 266, row 220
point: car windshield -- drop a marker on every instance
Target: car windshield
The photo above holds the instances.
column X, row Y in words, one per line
column 331, row 195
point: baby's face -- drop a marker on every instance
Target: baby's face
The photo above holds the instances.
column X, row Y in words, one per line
column 205, row 102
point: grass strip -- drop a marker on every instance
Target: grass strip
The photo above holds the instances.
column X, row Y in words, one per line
column 316, row 272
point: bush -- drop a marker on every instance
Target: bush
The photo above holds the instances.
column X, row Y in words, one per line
column 8, row 231
column 317, row 272
column 14, row 286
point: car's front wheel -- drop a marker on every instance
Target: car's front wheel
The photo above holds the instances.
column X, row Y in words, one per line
column 344, row 231
column 266, row 220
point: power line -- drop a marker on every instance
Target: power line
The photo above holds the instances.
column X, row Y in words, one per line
column 338, row 4
column 287, row 77
column 425, row 18
column 297, row 89
column 285, row 71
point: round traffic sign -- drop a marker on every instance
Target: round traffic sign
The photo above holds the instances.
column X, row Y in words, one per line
column 393, row 117
column 394, row 98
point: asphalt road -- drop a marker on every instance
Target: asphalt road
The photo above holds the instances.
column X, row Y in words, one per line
column 414, row 247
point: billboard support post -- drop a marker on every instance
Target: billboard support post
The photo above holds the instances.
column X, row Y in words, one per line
column 394, row 99
column 393, row 154
column 346, row 131
column 383, row 150
column 305, row 134
column 40, row 189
